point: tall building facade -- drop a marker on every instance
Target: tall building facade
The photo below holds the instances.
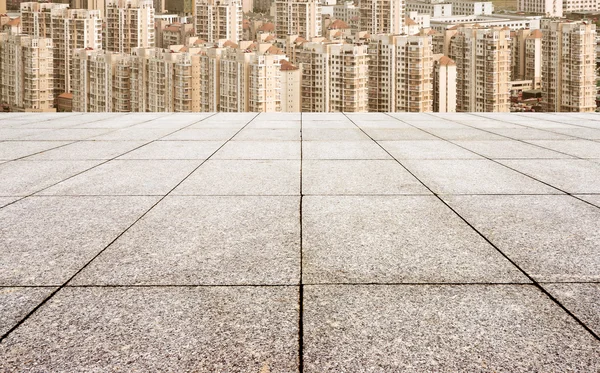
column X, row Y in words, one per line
column 568, row 66
column 334, row 76
column 400, row 73
column 298, row 17
column 381, row 16
column 129, row 24
column 26, row 73
column 36, row 18
column 444, row 84
column 219, row 19
column 482, row 57
column 549, row 8
column 72, row 29
column 526, row 56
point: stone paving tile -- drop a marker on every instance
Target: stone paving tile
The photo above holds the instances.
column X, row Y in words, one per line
column 553, row 238
column 358, row 177
column 191, row 329
column 576, row 176
column 593, row 198
column 435, row 149
column 507, row 149
column 342, row 150
column 243, row 177
column 206, row 240
column 6, row 200
column 464, row 134
column 132, row 133
column 274, row 124
column 167, row 121
column 581, row 300
column 259, row 150
column 121, row 121
column 578, row 148
column 17, row 302
column 398, row 134
column 441, row 328
column 70, row 134
column 127, row 177
column 529, row 134
column 16, row 149
column 267, row 134
column 88, row 150
column 202, row 134
column 586, row 133
column 19, row 133
column 22, row 178
column 389, row 123
column 327, row 124
column 46, row 240
column 175, row 150
column 410, row 239
column 474, row 177
column 333, row 134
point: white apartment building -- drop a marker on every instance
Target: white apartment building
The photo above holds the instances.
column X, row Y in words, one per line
column 548, row 8
column 433, row 9
column 36, row 18
column 219, row 19
column 298, row 17
column 526, row 56
column 513, row 22
column 570, row 6
column 129, row 24
column 444, row 84
column 482, row 57
column 400, row 73
column 72, row 29
column 346, row 11
column 568, row 66
column 26, row 73
column 382, row 16
column 466, row 7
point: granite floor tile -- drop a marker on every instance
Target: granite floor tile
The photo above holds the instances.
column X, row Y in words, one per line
column 208, row 329
column 206, row 240
column 342, row 150
column 441, row 328
column 46, row 240
column 70, row 134
column 17, row 302
column 358, row 177
column 132, row 133
column 175, row 150
column 88, row 150
column 578, row 148
column 576, row 176
column 127, row 177
column 583, row 300
column 6, row 200
column 435, row 149
column 243, row 177
column 202, row 134
column 19, row 133
column 584, row 133
column 398, row 134
column 553, row 238
column 389, row 123
column 259, row 150
column 474, row 177
column 392, row 239
column 16, row 149
column 327, row 124
column 121, row 121
column 529, row 134
column 274, row 124
column 506, row 149
column 333, row 134
column 22, row 178
column 465, row 134
column 268, row 134
column 591, row 198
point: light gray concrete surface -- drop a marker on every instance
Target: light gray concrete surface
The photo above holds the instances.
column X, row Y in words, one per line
column 301, row 244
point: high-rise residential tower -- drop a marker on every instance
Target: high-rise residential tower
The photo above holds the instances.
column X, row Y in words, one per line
column 298, row 17
column 381, row 16
column 129, row 24
column 219, row 19
column 568, row 66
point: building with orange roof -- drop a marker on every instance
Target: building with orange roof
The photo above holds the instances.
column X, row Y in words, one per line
column 444, row 84
column 298, row 17
column 219, row 19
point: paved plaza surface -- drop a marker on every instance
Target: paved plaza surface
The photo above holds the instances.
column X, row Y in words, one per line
column 299, row 242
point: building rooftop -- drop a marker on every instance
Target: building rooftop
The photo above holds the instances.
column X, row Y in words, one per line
column 292, row 242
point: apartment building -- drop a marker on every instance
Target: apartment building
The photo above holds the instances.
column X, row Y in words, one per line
column 482, row 57
column 36, row 18
column 129, row 24
column 291, row 85
column 346, row 11
column 101, row 81
column 548, row 8
column 570, row 6
column 26, row 73
column 72, row 29
column 298, row 17
column 432, row 9
column 444, row 84
column 400, row 73
column 98, row 5
column 466, row 7
column 219, row 19
column 334, row 76
column 526, row 56
column 173, row 33
column 568, row 66
column 382, row 16
column 210, row 78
